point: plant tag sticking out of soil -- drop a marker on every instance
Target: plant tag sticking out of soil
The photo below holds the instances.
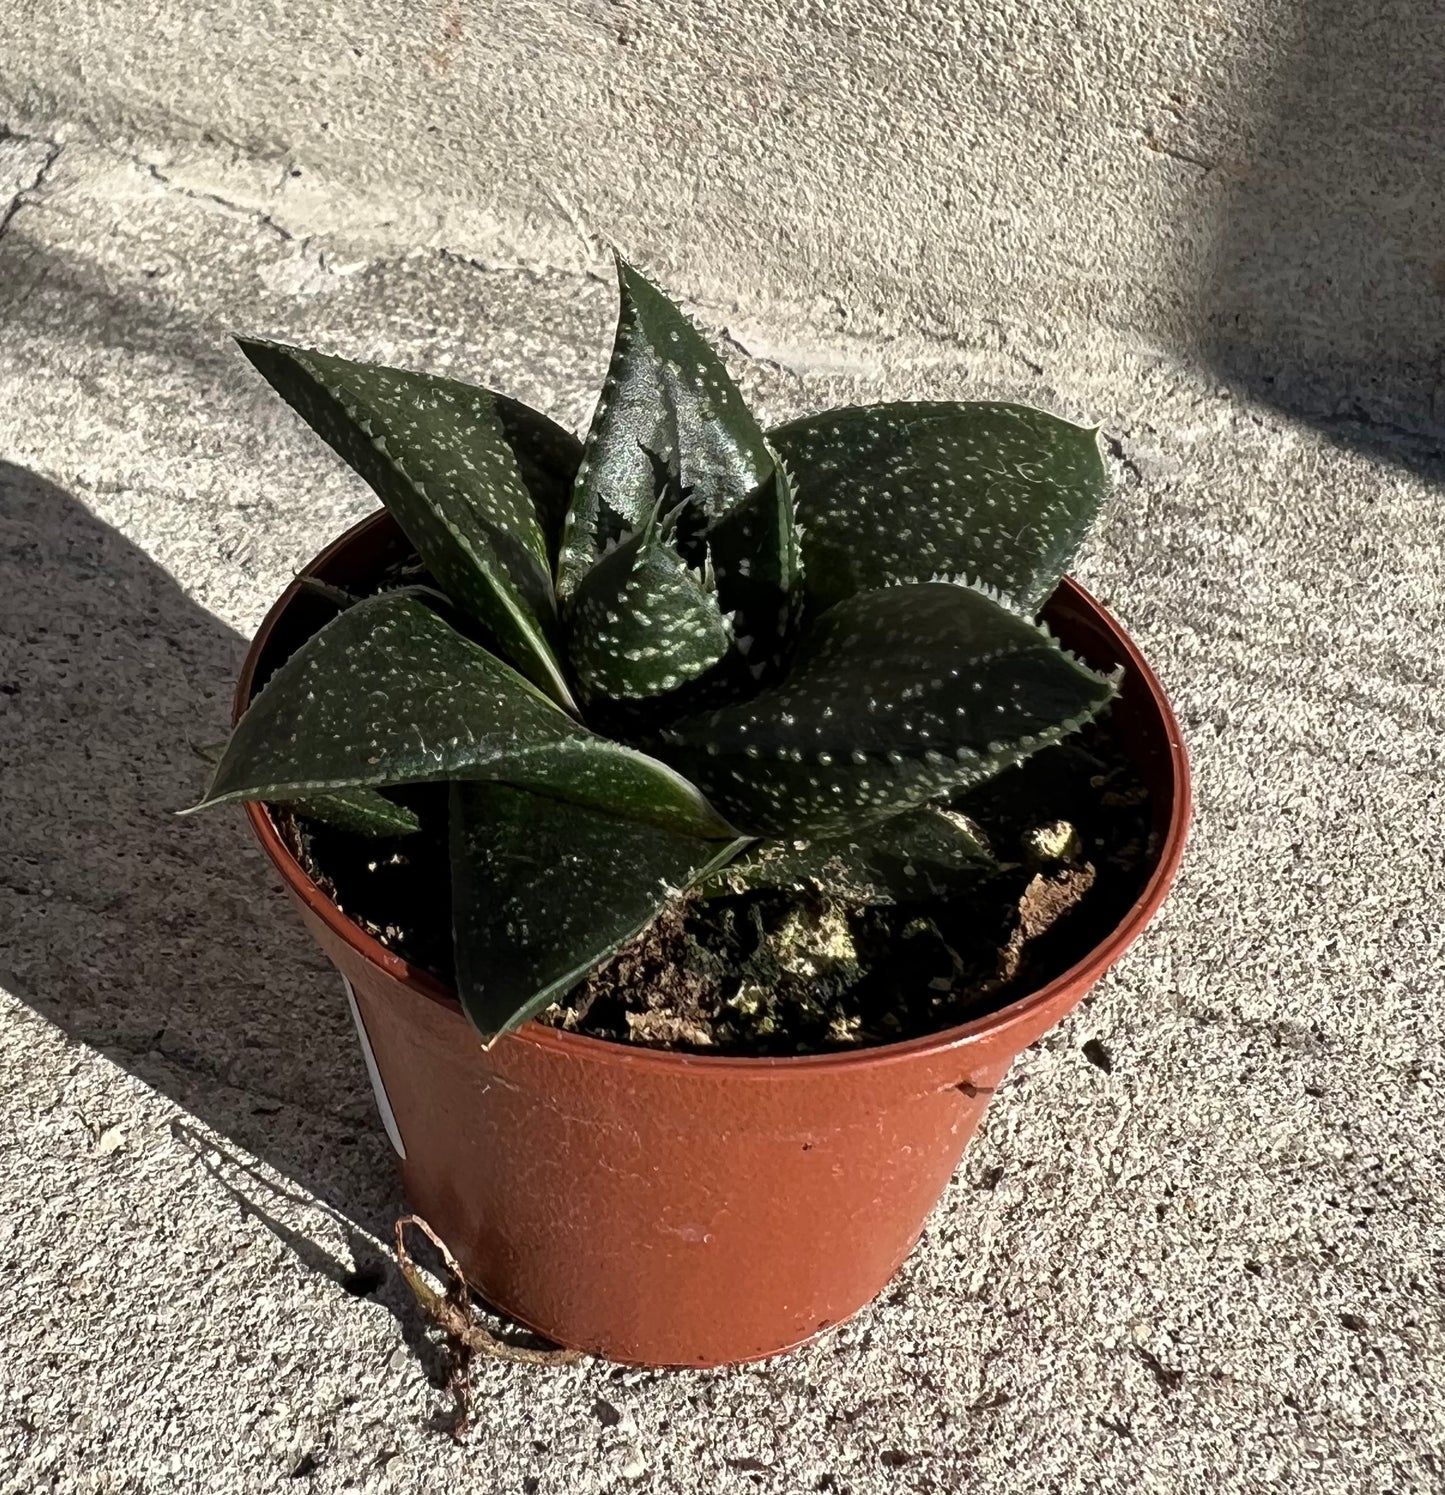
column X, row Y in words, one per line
column 383, row 1104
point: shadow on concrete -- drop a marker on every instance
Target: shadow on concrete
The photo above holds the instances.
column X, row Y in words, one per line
column 164, row 943
column 71, row 295
column 369, row 1275
column 1327, row 290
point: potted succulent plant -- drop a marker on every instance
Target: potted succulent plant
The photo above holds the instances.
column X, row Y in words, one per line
column 701, row 817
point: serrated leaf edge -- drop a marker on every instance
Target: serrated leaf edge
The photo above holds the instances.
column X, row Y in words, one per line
column 647, row 541
column 1030, row 742
column 946, row 410
column 984, row 588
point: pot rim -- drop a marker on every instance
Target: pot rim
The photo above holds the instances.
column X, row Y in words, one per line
column 1019, row 1013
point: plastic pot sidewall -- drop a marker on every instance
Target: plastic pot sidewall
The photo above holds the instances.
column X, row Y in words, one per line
column 676, row 1209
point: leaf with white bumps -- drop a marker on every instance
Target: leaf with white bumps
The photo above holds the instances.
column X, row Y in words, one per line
column 642, row 623
column 391, row 693
column 999, row 495
column 363, row 812
column 543, row 892
column 921, row 854
column 452, row 463
column 758, row 569
column 667, row 396
column 895, row 698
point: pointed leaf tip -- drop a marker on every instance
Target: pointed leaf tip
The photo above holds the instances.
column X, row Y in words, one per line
column 667, row 395
column 453, row 463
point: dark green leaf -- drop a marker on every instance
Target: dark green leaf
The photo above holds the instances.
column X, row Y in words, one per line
column 451, row 462
column 390, row 693
column 997, row 495
column 363, row 812
column 755, row 559
column 896, row 697
column 547, row 458
column 920, row 854
column 544, row 892
column 642, row 623
column 667, row 396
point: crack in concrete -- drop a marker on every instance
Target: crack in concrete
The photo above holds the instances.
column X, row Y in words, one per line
column 728, row 336
column 856, row 355
column 25, row 196
column 1122, row 457
column 250, row 215
column 536, row 272
column 1160, row 147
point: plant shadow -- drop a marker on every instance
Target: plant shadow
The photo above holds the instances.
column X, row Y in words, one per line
column 368, row 1276
column 163, row 942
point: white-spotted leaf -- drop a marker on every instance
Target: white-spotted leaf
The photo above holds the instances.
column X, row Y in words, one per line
column 756, row 562
column 391, row 693
column 999, row 495
column 543, row 892
column 896, row 697
column 642, row 623
column 473, row 479
column 667, row 397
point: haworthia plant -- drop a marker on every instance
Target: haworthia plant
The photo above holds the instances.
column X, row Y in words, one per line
column 687, row 654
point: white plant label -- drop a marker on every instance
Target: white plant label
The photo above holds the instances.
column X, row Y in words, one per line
column 388, row 1117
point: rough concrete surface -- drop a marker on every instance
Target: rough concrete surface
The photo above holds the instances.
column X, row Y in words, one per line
column 1216, row 1265
column 1261, row 177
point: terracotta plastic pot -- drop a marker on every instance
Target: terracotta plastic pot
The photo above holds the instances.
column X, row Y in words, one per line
column 673, row 1209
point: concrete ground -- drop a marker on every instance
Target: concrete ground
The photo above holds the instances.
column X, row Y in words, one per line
column 1216, row 1264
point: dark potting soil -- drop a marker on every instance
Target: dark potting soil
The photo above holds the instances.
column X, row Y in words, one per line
column 769, row 973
